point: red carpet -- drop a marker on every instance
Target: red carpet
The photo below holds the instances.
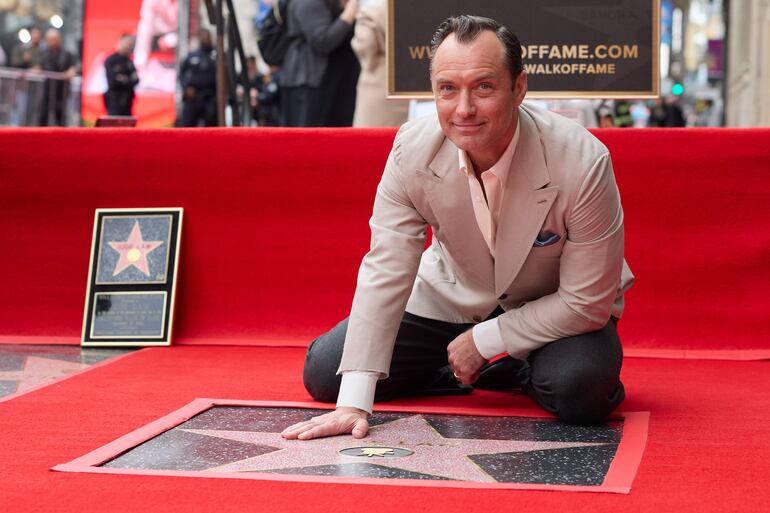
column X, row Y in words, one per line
column 276, row 224
column 707, row 449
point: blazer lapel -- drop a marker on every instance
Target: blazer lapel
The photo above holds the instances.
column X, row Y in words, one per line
column 450, row 199
column 526, row 203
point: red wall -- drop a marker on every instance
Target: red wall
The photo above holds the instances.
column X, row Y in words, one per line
column 276, row 223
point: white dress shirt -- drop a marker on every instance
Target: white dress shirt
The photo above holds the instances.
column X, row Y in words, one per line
column 358, row 387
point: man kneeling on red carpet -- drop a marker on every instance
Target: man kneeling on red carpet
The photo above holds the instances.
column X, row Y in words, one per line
column 526, row 256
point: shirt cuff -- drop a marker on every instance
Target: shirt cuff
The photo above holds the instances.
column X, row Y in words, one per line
column 488, row 339
column 357, row 389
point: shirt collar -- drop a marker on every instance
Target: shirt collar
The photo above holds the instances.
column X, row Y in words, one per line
column 501, row 167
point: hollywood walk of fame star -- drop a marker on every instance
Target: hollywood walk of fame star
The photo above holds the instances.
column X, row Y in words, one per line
column 134, row 251
column 432, row 453
column 40, row 370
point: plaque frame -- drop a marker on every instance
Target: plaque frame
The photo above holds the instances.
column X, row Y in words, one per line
column 652, row 93
column 166, row 287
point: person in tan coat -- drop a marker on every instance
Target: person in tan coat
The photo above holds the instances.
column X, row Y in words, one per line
column 527, row 256
column 372, row 106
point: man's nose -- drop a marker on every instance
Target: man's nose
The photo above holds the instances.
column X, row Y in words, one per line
column 465, row 107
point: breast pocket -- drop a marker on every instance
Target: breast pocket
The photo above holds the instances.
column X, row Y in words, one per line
column 434, row 267
column 547, row 245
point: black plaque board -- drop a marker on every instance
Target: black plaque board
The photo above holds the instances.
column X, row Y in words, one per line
column 132, row 277
column 116, row 122
column 572, row 48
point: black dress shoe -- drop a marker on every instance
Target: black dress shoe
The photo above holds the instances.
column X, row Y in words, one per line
column 504, row 374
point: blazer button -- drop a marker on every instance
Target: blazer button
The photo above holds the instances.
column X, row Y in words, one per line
column 503, row 297
column 476, row 318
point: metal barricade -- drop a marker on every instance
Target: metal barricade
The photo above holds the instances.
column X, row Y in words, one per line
column 38, row 98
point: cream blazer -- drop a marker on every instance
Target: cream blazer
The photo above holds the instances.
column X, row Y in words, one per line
column 560, row 183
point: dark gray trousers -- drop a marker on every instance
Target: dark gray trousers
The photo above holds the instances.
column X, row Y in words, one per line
column 575, row 378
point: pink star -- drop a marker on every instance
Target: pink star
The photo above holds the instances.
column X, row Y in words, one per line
column 39, row 370
column 432, row 453
column 134, row 251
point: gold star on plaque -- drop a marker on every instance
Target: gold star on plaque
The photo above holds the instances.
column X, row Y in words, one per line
column 376, row 451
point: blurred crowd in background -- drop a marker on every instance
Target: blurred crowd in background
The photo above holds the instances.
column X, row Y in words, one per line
column 331, row 71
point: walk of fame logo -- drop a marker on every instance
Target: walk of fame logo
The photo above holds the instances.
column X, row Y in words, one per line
column 134, row 251
column 376, row 452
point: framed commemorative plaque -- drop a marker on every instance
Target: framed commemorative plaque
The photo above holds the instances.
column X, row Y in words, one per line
column 132, row 277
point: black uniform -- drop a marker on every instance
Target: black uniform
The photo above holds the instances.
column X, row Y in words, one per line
column 666, row 115
column 267, row 111
column 55, row 91
column 121, row 81
column 198, row 75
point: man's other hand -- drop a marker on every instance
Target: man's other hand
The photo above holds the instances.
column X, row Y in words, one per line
column 342, row 421
column 465, row 359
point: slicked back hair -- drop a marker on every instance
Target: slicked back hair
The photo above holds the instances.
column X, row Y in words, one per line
column 468, row 28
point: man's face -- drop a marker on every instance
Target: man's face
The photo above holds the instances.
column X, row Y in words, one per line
column 205, row 40
column 126, row 45
column 53, row 40
column 475, row 97
column 35, row 36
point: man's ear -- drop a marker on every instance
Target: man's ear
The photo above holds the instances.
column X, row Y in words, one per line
column 520, row 88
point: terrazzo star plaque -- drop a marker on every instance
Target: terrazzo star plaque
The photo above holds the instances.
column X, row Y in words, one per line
column 242, row 440
column 132, row 277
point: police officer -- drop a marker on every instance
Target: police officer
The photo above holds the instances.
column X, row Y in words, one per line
column 198, row 76
column 121, row 79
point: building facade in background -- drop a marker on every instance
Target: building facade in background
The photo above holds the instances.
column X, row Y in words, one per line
column 714, row 56
column 748, row 78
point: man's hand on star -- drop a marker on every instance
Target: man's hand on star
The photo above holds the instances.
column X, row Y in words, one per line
column 465, row 359
column 342, row 421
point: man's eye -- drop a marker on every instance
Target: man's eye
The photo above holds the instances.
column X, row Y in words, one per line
column 445, row 88
column 485, row 86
